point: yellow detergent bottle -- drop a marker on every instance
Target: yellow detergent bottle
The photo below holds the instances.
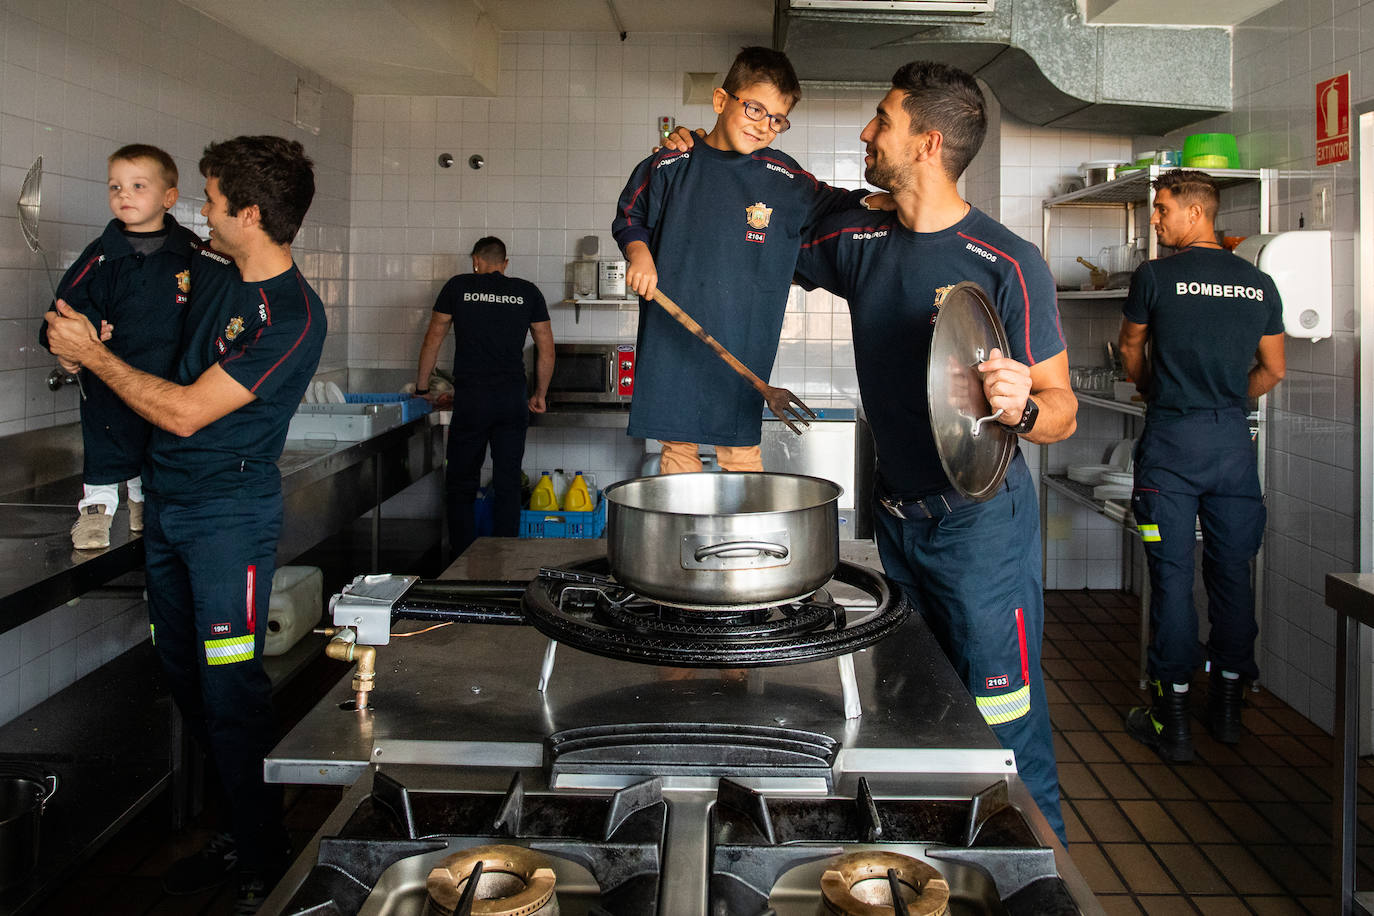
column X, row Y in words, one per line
column 542, row 498
column 579, row 499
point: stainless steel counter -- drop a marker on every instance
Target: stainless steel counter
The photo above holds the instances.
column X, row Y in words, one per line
column 466, row 697
column 441, row 695
column 323, row 488
column 1352, row 596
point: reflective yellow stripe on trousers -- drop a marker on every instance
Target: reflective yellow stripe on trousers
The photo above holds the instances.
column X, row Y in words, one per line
column 1004, row 707
column 228, row 651
column 1148, row 532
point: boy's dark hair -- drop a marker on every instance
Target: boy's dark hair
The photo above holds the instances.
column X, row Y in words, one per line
column 272, row 172
column 757, row 64
column 490, row 249
column 947, row 99
column 1191, row 186
column 146, row 151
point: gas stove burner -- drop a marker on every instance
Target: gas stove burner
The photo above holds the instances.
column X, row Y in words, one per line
column 492, row 881
column 583, row 609
column 880, row 883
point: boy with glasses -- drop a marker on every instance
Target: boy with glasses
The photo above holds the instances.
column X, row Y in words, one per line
column 721, row 225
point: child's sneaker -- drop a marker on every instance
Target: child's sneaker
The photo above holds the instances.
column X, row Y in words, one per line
column 92, row 528
column 135, row 516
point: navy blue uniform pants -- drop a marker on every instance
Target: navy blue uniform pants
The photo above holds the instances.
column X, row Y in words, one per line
column 209, row 577
column 974, row 576
column 488, row 416
column 1200, row 467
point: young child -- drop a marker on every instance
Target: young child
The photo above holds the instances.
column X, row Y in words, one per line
column 133, row 281
column 720, row 226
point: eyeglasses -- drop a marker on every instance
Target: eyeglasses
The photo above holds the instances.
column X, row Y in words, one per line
column 756, row 112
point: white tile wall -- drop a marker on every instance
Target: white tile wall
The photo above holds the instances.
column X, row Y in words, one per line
column 79, row 79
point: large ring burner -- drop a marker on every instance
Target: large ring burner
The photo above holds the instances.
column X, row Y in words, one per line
column 613, row 622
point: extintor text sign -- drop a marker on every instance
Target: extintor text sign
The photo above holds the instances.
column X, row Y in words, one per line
column 1333, row 120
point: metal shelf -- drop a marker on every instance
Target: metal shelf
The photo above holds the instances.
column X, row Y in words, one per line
column 1135, row 187
column 578, row 303
column 1106, row 403
column 1119, row 293
column 1082, row 494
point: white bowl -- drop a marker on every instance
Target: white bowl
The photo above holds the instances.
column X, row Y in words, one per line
column 1121, row 458
column 1120, row 478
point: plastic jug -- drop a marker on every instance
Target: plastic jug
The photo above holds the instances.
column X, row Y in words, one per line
column 542, row 498
column 579, row 499
column 560, row 485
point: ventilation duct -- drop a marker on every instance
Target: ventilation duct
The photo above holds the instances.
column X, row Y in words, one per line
column 1045, row 65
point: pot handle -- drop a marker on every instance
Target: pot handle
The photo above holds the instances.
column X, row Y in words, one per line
column 735, row 548
column 51, row 780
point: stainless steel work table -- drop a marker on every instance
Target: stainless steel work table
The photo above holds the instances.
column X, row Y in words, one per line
column 458, row 695
column 1352, row 596
column 323, row 488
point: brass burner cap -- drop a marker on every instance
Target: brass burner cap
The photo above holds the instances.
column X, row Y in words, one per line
column 515, row 881
column 857, row 885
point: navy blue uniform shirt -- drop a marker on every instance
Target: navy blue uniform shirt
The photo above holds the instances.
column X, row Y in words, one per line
column 268, row 336
column 894, row 279
column 1206, row 310
column 145, row 298
column 724, row 229
column 492, row 314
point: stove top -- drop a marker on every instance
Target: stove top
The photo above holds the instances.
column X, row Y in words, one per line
column 661, row 791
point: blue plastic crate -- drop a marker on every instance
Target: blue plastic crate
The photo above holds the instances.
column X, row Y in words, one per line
column 411, row 407
column 555, row 523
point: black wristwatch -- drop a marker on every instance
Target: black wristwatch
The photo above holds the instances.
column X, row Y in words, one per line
column 1028, row 418
column 419, row 392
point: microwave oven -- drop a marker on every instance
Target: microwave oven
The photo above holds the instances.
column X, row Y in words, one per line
column 590, row 373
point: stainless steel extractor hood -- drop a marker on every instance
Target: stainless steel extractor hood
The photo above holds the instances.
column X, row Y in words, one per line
column 1044, row 64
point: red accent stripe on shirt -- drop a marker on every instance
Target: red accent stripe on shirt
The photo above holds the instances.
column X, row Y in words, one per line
column 86, row 269
column 252, row 580
column 839, row 232
column 1021, row 636
column 1025, row 295
column 309, row 317
column 662, row 157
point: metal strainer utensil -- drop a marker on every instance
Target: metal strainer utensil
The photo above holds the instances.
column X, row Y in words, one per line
column 30, row 202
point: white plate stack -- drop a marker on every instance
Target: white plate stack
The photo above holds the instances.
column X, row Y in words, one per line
column 1113, row 480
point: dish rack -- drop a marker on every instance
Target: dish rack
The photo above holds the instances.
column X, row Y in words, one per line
column 411, row 407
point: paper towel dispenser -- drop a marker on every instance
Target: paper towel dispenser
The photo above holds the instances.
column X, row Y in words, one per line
column 1300, row 263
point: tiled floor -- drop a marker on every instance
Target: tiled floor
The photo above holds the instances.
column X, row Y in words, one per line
column 1239, row 830
column 1243, row 830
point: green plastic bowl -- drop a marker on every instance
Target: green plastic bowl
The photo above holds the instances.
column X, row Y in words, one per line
column 1211, row 151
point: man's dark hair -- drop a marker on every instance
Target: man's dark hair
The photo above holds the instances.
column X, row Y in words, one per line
column 146, row 151
column 757, row 64
column 272, row 172
column 490, row 249
column 1190, row 186
column 947, row 99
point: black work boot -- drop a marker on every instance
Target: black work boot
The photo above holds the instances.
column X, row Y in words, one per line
column 1163, row 725
column 1225, row 696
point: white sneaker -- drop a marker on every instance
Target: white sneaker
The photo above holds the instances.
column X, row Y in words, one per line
column 92, row 528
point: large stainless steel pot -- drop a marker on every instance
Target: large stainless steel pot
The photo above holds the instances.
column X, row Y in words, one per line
column 22, row 799
column 722, row 539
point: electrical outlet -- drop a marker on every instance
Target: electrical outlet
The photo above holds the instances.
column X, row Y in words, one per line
column 1323, row 202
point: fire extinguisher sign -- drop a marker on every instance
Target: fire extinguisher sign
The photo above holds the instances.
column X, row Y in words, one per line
column 1333, row 120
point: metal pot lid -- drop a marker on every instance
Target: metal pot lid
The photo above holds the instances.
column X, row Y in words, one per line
column 975, row 450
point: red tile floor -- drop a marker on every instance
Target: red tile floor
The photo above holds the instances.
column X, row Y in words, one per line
column 1239, row 830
